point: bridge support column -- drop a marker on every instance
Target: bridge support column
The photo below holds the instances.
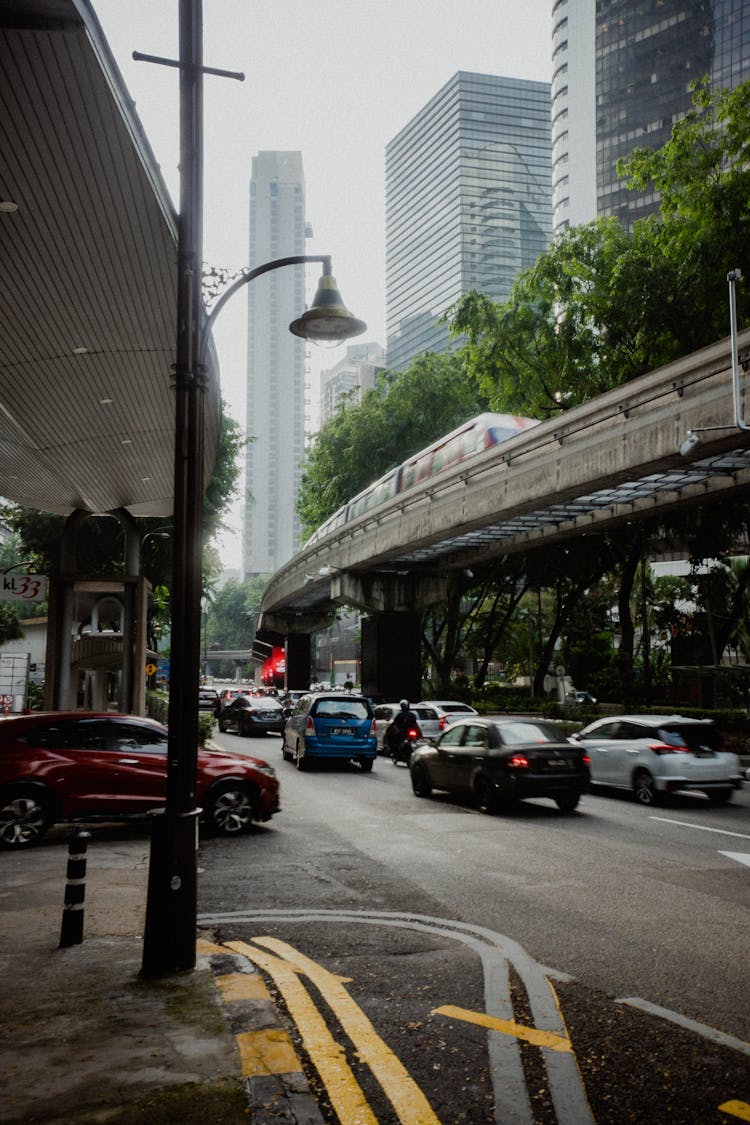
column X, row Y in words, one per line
column 298, row 661
column 392, row 656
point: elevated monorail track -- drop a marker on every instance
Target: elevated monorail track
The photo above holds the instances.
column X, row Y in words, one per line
column 613, row 459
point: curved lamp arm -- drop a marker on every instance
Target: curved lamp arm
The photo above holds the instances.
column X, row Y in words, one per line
column 277, row 263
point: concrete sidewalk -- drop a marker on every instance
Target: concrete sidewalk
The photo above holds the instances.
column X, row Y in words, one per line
column 85, row 1039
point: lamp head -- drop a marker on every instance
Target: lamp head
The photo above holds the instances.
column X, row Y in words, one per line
column 689, row 444
column 327, row 320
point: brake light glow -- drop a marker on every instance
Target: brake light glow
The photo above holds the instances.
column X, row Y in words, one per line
column 442, row 722
column 373, row 730
column 519, row 761
column 412, row 734
column 664, row 748
column 586, row 760
column 309, row 725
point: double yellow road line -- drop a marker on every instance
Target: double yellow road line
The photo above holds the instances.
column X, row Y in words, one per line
column 285, row 965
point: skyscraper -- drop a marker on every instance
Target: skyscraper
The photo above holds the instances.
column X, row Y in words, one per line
column 627, row 68
column 349, row 378
column 468, row 203
column 275, row 412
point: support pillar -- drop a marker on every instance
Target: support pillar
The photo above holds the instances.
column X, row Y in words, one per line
column 298, row 661
column 392, row 656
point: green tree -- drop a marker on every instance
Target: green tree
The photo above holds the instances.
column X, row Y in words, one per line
column 10, row 625
column 232, row 613
column 703, row 176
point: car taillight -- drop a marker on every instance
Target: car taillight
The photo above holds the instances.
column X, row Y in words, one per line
column 586, row 760
column 443, row 722
column 663, row 748
column 519, row 761
column 373, row 730
column 309, row 725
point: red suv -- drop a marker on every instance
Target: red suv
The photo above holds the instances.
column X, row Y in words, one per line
column 65, row 765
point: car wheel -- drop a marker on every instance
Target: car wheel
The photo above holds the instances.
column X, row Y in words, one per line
column 484, row 795
column 25, row 815
column 222, row 726
column 286, row 752
column 719, row 796
column 229, row 808
column 568, row 803
column 644, row 788
column 366, row 764
column 420, row 782
column 300, row 760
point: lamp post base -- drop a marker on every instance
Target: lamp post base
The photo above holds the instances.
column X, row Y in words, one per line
column 171, row 903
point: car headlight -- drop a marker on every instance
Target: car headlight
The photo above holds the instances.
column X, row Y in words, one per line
column 265, row 768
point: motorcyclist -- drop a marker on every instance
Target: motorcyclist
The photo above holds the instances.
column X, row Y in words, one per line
column 403, row 721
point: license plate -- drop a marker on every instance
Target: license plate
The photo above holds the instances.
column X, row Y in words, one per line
column 343, row 730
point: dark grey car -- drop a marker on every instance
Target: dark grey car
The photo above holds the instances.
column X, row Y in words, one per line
column 252, row 714
column 499, row 761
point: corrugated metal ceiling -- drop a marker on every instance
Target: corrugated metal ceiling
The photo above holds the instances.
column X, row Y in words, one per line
column 87, row 277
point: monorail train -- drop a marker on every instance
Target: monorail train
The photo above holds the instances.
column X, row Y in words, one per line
column 459, row 445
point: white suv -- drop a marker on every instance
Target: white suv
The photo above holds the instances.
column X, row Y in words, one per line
column 658, row 754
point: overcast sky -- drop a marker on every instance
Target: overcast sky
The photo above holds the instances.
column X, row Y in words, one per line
column 335, row 80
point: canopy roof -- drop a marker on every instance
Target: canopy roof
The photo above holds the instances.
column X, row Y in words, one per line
column 88, row 285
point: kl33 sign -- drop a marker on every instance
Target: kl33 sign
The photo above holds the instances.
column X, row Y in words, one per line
column 23, row 587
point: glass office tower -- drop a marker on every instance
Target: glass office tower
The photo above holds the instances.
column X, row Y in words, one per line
column 621, row 74
column 468, row 203
column 275, row 411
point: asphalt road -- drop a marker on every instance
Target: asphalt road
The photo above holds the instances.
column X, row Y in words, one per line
column 441, row 919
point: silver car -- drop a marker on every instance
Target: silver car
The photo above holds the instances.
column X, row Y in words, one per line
column 450, row 710
column 654, row 755
column 427, row 717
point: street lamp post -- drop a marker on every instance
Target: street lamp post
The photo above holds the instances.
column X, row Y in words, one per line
column 171, row 907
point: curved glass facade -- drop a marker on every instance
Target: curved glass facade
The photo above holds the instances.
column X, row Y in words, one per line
column 468, row 203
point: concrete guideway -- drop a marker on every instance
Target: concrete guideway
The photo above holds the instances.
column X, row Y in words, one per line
column 612, row 459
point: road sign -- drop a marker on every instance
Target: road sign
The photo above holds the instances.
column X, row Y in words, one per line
column 150, row 669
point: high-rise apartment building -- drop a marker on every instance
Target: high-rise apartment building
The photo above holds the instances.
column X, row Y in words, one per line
column 626, row 69
column 349, row 378
column 468, row 203
column 275, row 413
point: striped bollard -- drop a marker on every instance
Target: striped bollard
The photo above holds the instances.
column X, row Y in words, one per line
column 71, row 932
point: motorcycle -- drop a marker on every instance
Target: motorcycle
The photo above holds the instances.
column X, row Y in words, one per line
column 404, row 748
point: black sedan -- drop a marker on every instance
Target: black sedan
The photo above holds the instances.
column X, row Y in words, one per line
column 497, row 761
column 252, row 714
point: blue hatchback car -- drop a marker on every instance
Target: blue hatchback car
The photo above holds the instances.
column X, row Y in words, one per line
column 330, row 725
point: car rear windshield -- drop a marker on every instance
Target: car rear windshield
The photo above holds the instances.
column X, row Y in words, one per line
column 342, row 709
column 514, row 734
column 692, row 735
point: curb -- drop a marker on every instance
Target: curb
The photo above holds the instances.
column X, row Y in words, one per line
column 276, row 1087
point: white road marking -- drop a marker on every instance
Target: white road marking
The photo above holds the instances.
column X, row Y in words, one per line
column 701, row 827
column 740, row 857
column 701, row 1029
column 496, row 952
